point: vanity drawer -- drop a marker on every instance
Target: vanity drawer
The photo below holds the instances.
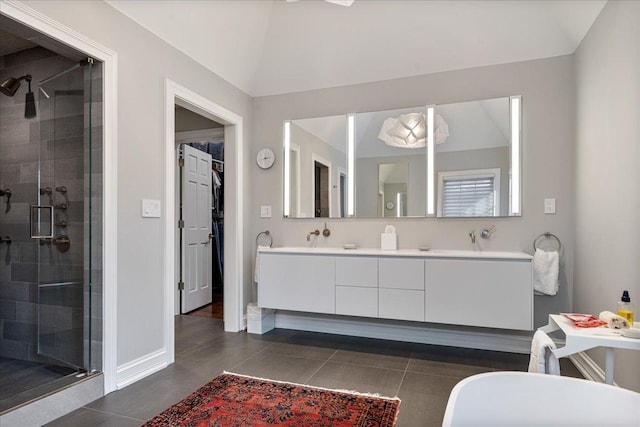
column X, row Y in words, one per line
column 401, row 304
column 401, row 273
column 357, row 301
column 357, row 271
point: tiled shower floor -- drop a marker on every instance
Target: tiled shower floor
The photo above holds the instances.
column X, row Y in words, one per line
column 21, row 380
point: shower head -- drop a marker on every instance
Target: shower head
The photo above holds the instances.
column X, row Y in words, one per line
column 10, row 86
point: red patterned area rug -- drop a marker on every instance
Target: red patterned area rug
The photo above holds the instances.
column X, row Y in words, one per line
column 236, row 400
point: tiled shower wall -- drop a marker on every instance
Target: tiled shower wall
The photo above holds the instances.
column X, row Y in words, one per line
column 44, row 292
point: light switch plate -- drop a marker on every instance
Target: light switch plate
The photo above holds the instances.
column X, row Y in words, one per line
column 549, row 206
column 150, row 208
column 265, row 211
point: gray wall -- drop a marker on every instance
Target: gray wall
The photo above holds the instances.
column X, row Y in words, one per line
column 548, row 90
column 144, row 61
column 188, row 120
column 607, row 172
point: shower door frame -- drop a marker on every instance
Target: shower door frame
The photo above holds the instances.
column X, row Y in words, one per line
column 49, row 89
column 109, row 58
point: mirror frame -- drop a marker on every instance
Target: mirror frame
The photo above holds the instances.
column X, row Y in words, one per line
column 515, row 175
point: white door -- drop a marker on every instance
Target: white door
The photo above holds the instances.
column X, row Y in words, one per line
column 196, row 238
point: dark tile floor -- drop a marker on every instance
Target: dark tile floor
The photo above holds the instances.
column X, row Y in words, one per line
column 421, row 375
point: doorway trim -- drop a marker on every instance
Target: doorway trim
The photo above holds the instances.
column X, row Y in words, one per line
column 109, row 58
column 175, row 94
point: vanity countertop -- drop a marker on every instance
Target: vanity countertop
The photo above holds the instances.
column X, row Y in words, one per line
column 432, row 253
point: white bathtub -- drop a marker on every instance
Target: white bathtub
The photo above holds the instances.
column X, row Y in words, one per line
column 524, row 399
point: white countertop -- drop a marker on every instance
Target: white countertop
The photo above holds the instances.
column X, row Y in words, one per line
column 432, row 253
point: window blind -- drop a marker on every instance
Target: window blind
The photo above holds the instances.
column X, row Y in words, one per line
column 468, row 196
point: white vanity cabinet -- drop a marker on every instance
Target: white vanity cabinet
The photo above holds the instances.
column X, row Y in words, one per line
column 357, row 286
column 487, row 293
column 401, row 288
column 484, row 289
column 297, row 282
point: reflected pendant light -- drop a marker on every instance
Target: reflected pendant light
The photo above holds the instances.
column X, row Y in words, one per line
column 410, row 130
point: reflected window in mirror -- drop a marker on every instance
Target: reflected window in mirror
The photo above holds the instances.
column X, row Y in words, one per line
column 315, row 165
column 469, row 193
column 390, row 163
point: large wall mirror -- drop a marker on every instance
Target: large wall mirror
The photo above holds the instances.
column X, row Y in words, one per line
column 450, row 160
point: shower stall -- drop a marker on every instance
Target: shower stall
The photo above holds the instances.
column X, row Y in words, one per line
column 50, row 222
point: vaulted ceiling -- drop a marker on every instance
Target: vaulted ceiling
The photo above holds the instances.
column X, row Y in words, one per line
column 271, row 47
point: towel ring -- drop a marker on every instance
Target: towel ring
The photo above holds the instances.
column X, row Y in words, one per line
column 547, row 235
column 267, row 234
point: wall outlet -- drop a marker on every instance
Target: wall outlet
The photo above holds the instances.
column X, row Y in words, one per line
column 150, row 208
column 265, row 211
column 550, row 206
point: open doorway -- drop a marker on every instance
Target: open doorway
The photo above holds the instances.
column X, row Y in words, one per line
column 234, row 291
column 200, row 196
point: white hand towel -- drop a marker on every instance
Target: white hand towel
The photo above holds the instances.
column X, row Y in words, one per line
column 542, row 360
column 545, row 271
column 614, row 321
column 256, row 271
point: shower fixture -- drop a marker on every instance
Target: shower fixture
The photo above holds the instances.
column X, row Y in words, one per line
column 10, row 86
column 6, row 192
column 62, row 243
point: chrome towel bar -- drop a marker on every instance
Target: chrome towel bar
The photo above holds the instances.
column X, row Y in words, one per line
column 267, row 234
column 547, row 235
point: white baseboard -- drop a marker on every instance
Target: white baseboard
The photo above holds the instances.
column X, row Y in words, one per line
column 141, row 367
column 508, row 341
column 588, row 367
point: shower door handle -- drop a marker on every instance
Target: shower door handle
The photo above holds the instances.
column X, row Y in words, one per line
column 41, row 222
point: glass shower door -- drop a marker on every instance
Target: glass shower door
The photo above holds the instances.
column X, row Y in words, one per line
column 61, row 220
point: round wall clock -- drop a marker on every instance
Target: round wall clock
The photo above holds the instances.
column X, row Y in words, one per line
column 265, row 158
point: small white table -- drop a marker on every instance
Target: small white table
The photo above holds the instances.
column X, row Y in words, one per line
column 582, row 339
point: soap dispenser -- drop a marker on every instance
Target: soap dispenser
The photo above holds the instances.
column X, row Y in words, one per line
column 625, row 309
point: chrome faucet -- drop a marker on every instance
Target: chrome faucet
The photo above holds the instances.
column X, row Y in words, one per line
column 473, row 236
column 315, row 233
column 486, row 233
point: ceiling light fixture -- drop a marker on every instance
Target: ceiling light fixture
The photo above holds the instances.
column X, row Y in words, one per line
column 410, row 130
